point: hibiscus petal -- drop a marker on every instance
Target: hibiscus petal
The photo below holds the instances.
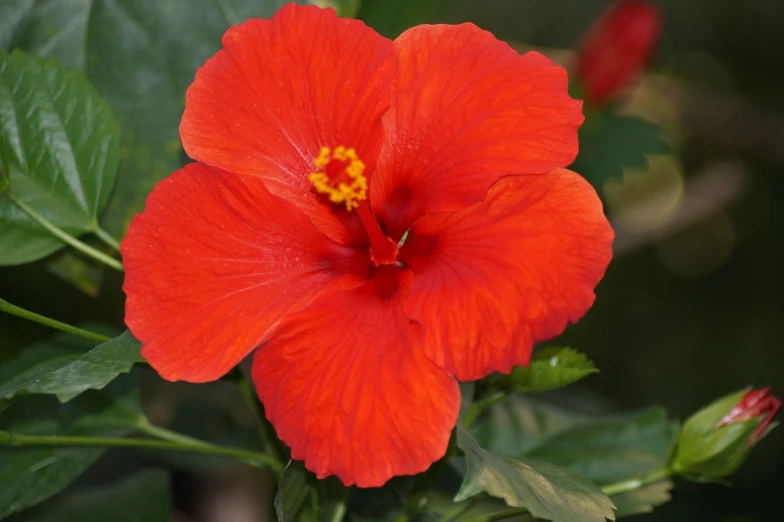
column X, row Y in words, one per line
column 515, row 269
column 279, row 90
column 211, row 265
column 347, row 387
column 467, row 110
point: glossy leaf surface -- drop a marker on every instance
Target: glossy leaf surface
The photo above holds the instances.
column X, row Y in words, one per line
column 547, row 491
column 66, row 376
column 58, row 153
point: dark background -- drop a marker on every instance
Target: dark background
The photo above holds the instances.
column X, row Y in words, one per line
column 691, row 308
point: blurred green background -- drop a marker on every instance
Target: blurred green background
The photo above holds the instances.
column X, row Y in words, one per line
column 692, row 305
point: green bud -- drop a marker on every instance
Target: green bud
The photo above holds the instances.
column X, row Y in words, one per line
column 716, row 440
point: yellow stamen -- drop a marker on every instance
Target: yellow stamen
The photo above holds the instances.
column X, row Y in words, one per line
column 350, row 191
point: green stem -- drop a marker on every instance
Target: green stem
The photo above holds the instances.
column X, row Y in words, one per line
column 184, row 440
column 268, row 438
column 616, row 488
column 637, row 483
column 65, row 237
column 7, row 307
column 479, row 406
column 184, row 443
column 460, row 510
column 416, row 501
column 165, row 434
column 107, row 238
column 340, row 507
column 509, row 513
column 314, row 504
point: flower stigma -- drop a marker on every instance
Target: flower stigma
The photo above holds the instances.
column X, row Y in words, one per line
column 339, row 176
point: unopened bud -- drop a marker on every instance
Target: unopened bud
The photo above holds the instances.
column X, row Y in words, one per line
column 756, row 404
column 716, row 440
column 617, row 48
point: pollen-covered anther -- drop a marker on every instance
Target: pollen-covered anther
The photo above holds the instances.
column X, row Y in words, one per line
column 339, row 175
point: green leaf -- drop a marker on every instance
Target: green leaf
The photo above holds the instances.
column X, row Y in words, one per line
column 611, row 142
column 69, row 375
column 293, row 490
column 141, row 55
column 550, row 368
column 547, row 491
column 31, row 475
column 519, row 423
column 116, row 410
column 642, row 500
column 440, row 506
column 301, row 496
column 59, row 151
column 612, row 449
column 58, row 345
column 144, row 497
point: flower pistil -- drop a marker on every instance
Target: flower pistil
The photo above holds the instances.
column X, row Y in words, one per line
column 339, row 176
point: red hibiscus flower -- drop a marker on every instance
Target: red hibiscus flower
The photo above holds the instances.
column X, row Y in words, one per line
column 378, row 218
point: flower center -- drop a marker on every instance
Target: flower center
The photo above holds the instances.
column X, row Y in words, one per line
column 339, row 176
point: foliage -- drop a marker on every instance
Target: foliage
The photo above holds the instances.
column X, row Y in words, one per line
column 547, row 491
column 58, row 151
column 550, row 368
column 69, row 375
column 91, row 95
column 143, row 497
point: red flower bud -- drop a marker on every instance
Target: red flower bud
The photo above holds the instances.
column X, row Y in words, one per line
column 756, row 403
column 617, row 47
column 714, row 442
